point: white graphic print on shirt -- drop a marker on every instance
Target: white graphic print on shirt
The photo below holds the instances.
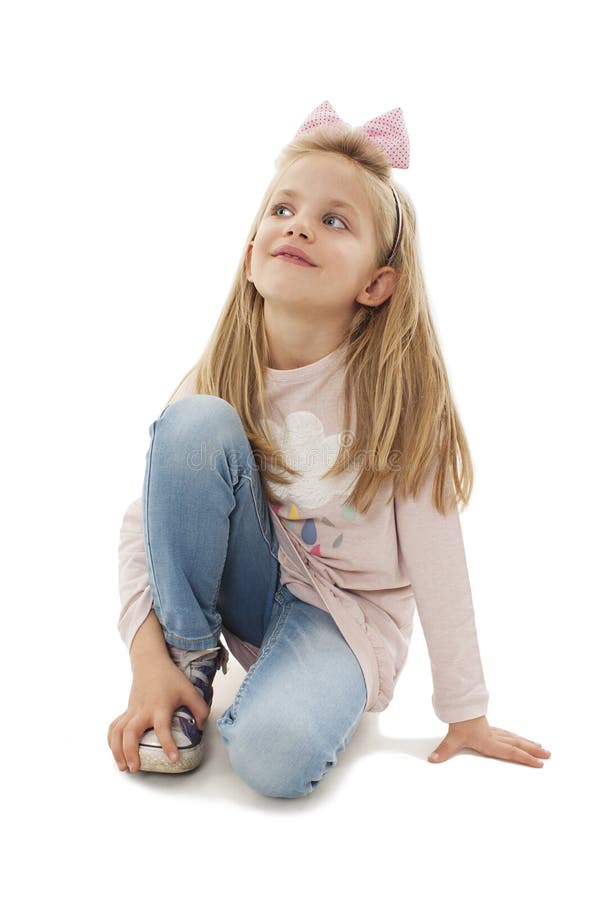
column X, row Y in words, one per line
column 306, row 447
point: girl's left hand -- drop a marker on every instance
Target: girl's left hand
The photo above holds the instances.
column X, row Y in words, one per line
column 477, row 734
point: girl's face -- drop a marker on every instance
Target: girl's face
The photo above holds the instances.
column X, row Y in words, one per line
column 305, row 212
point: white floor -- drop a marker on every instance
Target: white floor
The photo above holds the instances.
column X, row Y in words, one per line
column 384, row 819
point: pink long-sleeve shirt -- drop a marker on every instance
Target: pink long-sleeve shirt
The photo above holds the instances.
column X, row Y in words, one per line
column 369, row 571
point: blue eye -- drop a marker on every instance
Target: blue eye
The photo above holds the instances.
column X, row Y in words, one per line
column 275, row 209
column 336, row 217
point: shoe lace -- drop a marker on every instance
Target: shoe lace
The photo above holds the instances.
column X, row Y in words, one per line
column 191, row 661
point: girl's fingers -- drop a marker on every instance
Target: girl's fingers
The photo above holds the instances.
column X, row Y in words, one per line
column 504, row 750
column 131, row 740
column 113, row 725
column 534, row 749
column 116, row 746
column 162, row 727
column 198, row 707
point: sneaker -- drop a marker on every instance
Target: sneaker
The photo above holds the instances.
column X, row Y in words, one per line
column 200, row 667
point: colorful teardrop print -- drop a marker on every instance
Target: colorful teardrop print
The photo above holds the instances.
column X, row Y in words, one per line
column 348, row 512
column 309, row 532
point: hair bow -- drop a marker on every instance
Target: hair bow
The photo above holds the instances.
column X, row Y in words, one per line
column 387, row 130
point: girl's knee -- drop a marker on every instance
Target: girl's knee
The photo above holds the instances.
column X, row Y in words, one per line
column 203, row 417
column 194, row 407
column 273, row 758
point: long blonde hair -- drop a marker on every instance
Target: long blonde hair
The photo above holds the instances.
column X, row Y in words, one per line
column 406, row 420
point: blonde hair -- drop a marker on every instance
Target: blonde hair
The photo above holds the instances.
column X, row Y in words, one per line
column 406, row 420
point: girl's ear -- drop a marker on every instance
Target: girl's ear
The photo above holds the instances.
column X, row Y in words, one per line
column 380, row 289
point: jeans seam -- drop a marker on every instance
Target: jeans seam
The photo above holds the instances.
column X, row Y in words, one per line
column 265, row 650
column 341, row 748
column 168, row 634
column 260, row 525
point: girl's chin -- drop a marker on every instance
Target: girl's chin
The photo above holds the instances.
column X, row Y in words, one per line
column 289, row 300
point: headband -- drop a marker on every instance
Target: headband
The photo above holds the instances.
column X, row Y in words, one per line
column 387, row 130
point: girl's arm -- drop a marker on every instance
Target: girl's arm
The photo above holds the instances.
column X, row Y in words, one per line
column 432, row 551
column 148, row 642
column 134, row 587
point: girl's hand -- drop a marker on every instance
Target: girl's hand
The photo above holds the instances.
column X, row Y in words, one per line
column 477, row 734
column 158, row 689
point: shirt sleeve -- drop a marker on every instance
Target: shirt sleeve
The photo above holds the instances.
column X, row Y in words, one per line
column 433, row 554
column 134, row 586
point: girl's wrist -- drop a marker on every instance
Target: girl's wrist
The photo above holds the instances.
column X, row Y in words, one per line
column 148, row 643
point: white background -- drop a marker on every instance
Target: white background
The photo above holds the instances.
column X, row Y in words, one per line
column 137, row 139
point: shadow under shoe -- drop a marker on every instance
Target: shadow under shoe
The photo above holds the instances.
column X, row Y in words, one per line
column 200, row 667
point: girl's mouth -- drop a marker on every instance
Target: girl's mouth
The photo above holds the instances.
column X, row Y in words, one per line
column 293, row 259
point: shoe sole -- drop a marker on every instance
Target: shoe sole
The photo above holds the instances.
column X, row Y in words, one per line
column 154, row 759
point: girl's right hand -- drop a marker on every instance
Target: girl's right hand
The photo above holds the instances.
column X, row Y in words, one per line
column 158, row 689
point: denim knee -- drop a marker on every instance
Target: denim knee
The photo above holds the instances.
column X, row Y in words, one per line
column 206, row 407
column 196, row 429
column 276, row 758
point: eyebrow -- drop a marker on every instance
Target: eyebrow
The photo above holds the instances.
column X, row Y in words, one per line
column 340, row 204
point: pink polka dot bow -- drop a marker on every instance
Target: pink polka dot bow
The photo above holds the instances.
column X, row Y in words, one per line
column 387, row 130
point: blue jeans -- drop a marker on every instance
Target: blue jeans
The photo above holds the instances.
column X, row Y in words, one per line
column 212, row 561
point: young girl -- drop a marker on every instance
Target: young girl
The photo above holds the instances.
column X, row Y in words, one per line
column 301, row 491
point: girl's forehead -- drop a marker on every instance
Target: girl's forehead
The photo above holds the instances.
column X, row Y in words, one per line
column 323, row 176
